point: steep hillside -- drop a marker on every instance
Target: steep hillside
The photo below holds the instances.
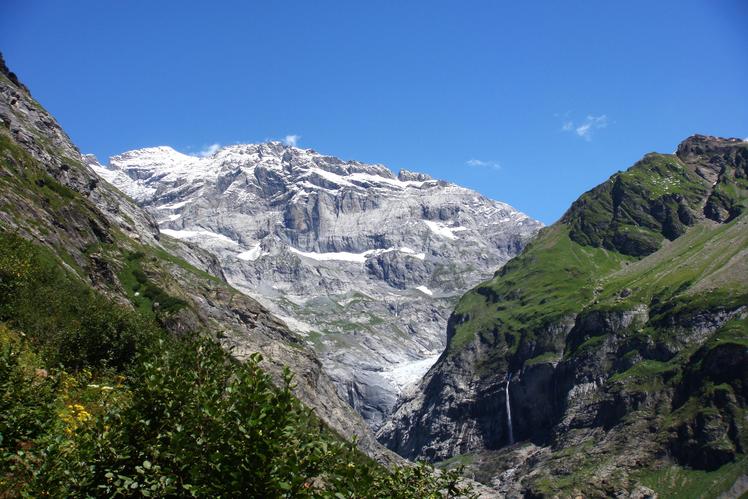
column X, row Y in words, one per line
column 613, row 348
column 366, row 265
column 49, row 196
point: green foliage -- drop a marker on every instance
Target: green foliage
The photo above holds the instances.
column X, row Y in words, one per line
column 147, row 296
column 26, row 395
column 552, row 278
column 97, row 400
column 420, row 480
column 204, row 426
column 676, row 482
column 633, row 211
column 60, row 314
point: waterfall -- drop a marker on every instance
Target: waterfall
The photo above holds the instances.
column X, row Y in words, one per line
column 509, row 410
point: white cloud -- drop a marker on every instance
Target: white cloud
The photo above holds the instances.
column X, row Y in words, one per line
column 586, row 128
column 487, row 164
column 291, row 140
column 209, row 150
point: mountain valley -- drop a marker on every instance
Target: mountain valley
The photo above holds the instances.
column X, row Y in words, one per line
column 268, row 321
column 366, row 265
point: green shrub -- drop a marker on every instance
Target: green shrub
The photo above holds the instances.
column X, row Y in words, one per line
column 26, row 394
column 131, row 411
column 195, row 423
column 76, row 326
column 146, row 295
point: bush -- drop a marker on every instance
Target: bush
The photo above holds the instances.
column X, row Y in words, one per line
column 74, row 325
column 132, row 411
column 196, row 423
column 26, row 394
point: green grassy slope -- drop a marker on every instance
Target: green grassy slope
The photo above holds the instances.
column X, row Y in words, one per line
column 586, row 260
column 96, row 399
column 643, row 287
column 111, row 381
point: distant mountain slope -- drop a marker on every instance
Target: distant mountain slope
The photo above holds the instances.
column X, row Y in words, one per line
column 48, row 195
column 367, row 265
column 617, row 339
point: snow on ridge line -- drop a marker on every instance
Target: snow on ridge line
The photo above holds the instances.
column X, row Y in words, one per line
column 164, row 160
column 384, row 180
column 178, row 165
column 346, row 180
column 147, row 156
column 425, row 290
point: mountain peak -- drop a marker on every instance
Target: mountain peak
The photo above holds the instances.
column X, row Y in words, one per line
column 662, row 195
column 334, row 246
column 11, row 75
column 407, row 175
column 597, row 337
column 697, row 145
column 156, row 153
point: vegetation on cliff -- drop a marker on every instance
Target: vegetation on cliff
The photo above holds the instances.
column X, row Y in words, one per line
column 116, row 372
column 96, row 399
column 623, row 327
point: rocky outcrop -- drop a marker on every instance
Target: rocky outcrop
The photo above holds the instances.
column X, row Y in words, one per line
column 49, row 194
column 616, row 361
column 30, row 127
column 365, row 264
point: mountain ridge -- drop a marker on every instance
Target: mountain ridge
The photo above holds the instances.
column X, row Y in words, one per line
column 597, row 333
column 51, row 197
column 340, row 250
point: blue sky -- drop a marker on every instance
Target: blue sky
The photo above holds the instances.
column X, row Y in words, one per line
column 531, row 103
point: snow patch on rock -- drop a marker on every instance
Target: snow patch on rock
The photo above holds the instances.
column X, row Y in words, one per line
column 336, row 248
column 442, row 230
column 252, row 254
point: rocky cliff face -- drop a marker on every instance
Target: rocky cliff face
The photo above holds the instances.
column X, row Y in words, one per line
column 49, row 195
column 365, row 264
column 616, row 340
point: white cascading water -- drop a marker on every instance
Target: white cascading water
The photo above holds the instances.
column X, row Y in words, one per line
column 509, row 410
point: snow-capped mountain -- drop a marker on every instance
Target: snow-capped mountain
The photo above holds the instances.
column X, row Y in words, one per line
column 365, row 264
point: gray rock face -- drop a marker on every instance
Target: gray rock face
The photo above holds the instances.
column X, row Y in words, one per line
column 365, row 264
column 35, row 152
column 565, row 404
column 549, row 392
column 39, row 134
